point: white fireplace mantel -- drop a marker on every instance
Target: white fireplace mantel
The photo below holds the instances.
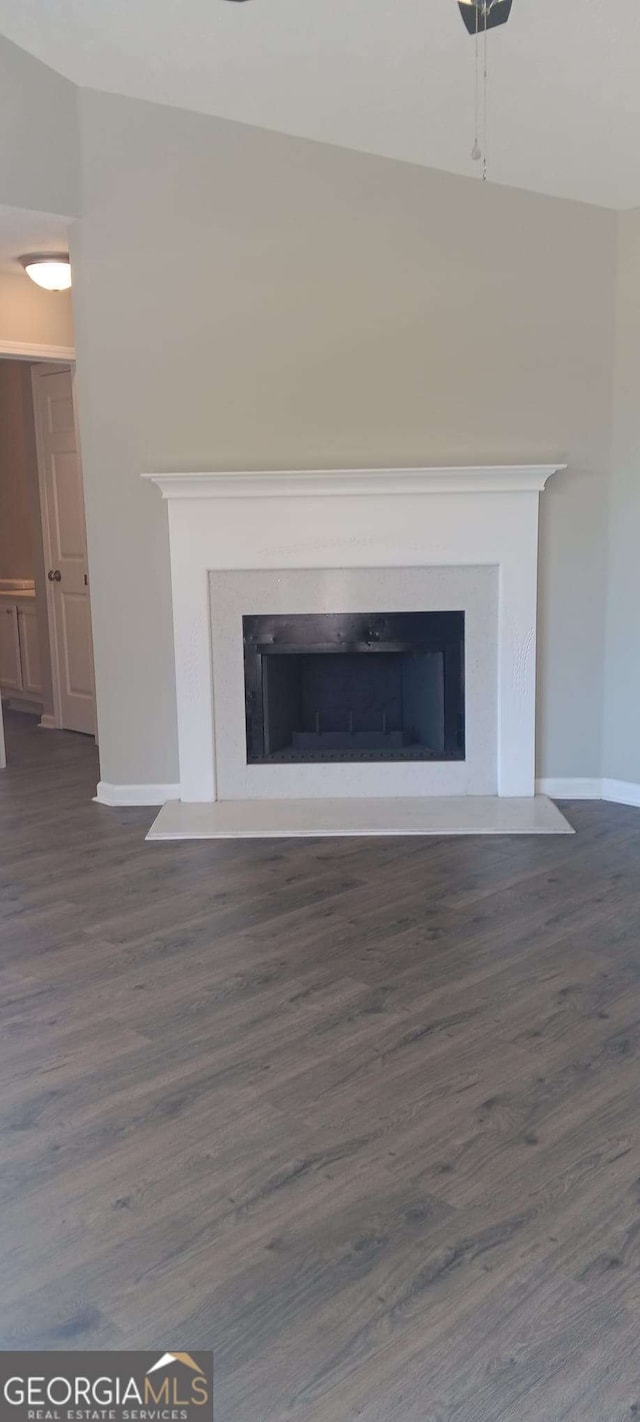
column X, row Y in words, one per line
column 340, row 483
column 341, row 521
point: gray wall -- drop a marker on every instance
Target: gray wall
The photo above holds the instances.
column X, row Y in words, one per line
column 621, row 742
column 39, row 165
column 244, row 299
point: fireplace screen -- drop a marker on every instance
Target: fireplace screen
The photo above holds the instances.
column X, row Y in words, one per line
column 354, row 686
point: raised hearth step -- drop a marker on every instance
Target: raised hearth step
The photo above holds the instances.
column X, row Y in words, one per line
column 284, row 819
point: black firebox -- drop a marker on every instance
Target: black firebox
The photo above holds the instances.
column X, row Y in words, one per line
column 354, row 686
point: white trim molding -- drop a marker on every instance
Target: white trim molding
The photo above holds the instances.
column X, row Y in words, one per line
column 333, row 483
column 131, row 795
column 570, row 788
column 47, row 722
column 617, row 792
column 24, row 350
column 621, row 792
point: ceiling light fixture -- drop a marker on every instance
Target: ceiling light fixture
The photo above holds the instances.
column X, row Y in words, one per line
column 48, row 269
column 484, row 14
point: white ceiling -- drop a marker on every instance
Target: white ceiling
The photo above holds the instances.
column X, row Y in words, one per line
column 393, row 77
column 22, row 232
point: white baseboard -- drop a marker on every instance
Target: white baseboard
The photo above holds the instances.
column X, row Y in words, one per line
column 621, row 792
column 47, row 722
column 571, row 788
column 115, row 795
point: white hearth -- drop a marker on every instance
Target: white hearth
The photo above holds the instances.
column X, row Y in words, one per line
column 345, row 541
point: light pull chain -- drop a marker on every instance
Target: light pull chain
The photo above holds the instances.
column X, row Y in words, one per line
column 479, row 150
column 476, row 151
column 485, row 90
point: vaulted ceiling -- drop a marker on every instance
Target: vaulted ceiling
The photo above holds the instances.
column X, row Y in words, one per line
column 393, row 77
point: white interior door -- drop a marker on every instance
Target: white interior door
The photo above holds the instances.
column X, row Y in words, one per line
column 65, row 542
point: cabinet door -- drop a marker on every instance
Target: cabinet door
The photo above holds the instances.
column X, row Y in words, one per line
column 10, row 673
column 29, row 648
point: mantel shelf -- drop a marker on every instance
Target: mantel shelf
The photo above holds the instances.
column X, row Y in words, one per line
column 363, row 483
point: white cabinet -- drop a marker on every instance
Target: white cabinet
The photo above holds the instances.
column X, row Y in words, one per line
column 29, row 648
column 20, row 672
column 10, row 668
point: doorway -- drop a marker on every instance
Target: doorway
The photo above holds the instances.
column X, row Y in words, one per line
column 46, row 656
column 64, row 541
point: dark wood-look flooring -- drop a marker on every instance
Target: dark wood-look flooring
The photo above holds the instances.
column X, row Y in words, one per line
column 360, row 1115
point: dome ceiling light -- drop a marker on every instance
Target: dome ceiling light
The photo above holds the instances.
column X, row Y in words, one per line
column 50, row 270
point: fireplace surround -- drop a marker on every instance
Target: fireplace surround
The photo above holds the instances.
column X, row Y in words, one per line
column 234, row 595
column 368, row 544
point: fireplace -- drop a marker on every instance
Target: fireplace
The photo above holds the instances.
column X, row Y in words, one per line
column 366, row 686
column 309, row 698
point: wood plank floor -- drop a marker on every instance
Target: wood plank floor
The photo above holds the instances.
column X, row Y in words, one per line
column 361, row 1116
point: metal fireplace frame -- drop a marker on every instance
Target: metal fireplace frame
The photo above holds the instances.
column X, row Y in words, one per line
column 300, row 634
